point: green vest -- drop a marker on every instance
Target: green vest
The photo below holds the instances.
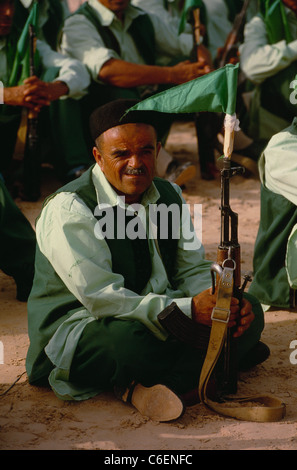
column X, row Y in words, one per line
column 141, row 30
column 51, row 303
column 270, row 284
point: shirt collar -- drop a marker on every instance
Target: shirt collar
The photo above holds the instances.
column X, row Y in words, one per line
column 106, row 16
column 26, row 3
column 107, row 195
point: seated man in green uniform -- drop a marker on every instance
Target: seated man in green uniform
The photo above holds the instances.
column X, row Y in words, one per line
column 122, row 46
column 70, row 80
column 100, row 283
column 275, row 275
column 268, row 57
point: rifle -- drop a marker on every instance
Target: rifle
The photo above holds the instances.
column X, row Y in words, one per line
column 229, row 255
column 31, row 168
column 233, row 37
column 228, row 258
column 196, row 335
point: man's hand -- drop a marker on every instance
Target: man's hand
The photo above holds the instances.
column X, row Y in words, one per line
column 245, row 318
column 186, row 71
column 203, row 304
column 34, row 93
column 122, row 74
column 203, row 55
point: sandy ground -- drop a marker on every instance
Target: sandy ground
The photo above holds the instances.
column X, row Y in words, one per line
column 34, row 419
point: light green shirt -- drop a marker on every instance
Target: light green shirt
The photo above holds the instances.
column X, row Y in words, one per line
column 218, row 24
column 81, row 40
column 278, row 173
column 67, row 234
column 172, row 15
column 259, row 59
column 278, row 163
column 71, row 72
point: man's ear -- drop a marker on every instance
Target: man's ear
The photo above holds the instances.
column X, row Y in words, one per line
column 97, row 156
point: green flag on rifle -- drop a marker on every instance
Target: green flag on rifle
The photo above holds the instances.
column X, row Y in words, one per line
column 21, row 64
column 188, row 7
column 214, row 92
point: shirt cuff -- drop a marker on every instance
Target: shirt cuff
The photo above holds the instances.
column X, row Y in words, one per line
column 292, row 49
column 185, row 304
column 94, row 61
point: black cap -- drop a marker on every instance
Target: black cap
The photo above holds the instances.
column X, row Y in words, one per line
column 112, row 113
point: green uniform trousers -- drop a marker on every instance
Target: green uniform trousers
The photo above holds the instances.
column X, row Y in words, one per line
column 113, row 353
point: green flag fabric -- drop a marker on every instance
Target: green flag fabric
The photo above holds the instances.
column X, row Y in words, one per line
column 21, row 64
column 189, row 5
column 213, row 92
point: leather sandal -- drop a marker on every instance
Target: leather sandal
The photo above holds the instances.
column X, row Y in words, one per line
column 157, row 403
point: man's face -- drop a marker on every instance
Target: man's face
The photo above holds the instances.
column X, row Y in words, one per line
column 116, row 6
column 292, row 4
column 6, row 16
column 127, row 156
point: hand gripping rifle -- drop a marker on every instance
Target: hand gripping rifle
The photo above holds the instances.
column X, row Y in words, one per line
column 31, row 156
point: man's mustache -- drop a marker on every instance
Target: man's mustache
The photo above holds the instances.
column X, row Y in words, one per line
column 135, row 171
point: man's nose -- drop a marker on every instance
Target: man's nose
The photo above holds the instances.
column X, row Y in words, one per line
column 135, row 161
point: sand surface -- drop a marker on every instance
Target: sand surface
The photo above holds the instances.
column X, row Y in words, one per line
column 34, row 419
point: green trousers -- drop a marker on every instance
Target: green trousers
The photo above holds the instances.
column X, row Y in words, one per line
column 9, row 124
column 113, row 353
column 17, row 240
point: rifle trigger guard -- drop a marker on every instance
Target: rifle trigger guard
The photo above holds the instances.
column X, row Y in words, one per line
column 215, row 268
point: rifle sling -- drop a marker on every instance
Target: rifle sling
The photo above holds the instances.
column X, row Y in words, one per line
column 257, row 408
